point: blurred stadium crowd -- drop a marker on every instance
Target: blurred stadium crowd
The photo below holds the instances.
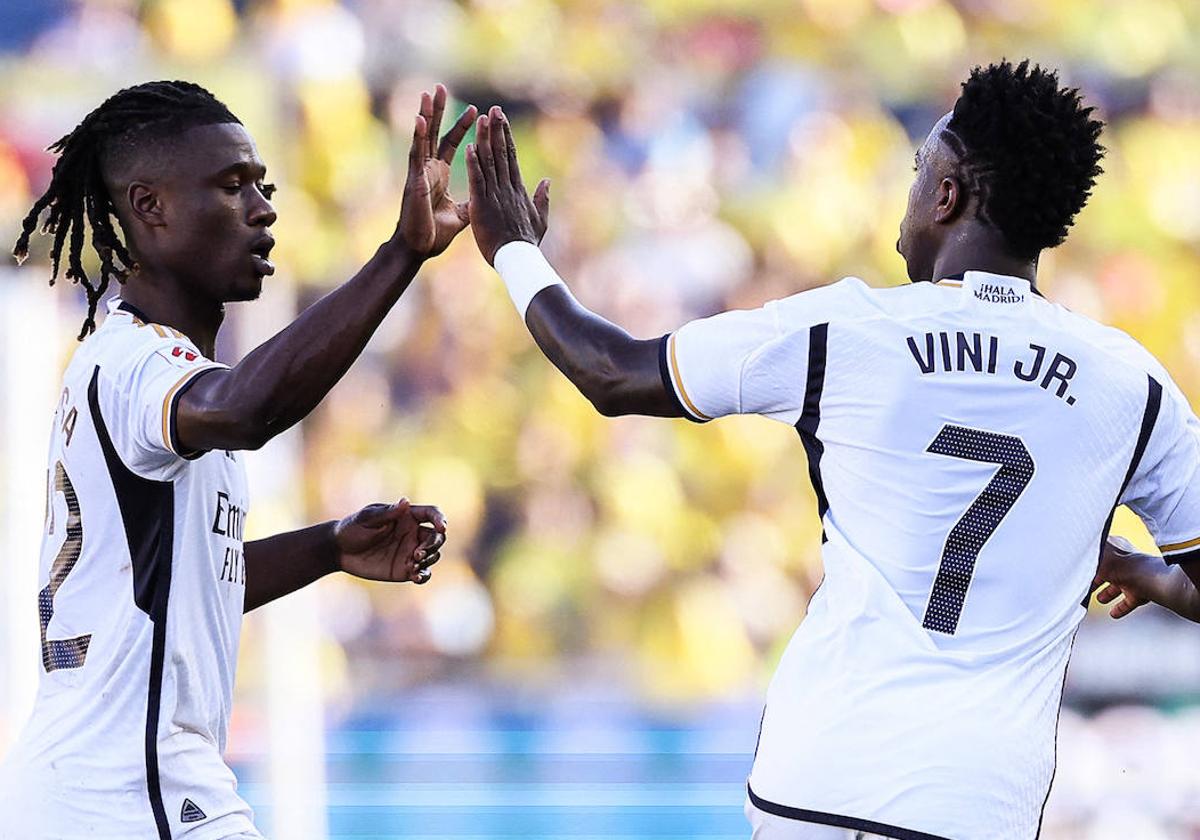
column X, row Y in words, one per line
column 705, row 154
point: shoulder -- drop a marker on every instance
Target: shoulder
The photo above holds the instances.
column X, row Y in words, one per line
column 1113, row 343
column 137, row 370
column 852, row 299
column 125, row 344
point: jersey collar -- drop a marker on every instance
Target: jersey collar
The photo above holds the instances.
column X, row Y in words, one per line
column 117, row 305
column 979, row 279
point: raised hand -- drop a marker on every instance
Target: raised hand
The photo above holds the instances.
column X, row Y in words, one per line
column 398, row 542
column 501, row 210
column 429, row 216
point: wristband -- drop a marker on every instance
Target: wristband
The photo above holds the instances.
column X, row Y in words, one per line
column 525, row 271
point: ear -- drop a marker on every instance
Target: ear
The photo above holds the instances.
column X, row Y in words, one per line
column 951, row 200
column 145, row 204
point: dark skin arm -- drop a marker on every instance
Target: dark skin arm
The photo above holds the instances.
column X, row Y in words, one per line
column 396, row 543
column 1136, row 579
column 618, row 373
column 282, row 380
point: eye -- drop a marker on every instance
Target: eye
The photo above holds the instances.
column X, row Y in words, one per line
column 232, row 189
column 267, row 190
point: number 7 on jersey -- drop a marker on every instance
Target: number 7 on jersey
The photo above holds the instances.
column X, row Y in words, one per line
column 976, row 526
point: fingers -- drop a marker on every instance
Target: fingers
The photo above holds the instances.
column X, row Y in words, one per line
column 456, row 134
column 423, row 559
column 483, row 150
column 430, row 515
column 1125, row 606
column 378, row 514
column 426, row 111
column 476, row 182
column 541, row 202
column 432, row 540
column 416, row 153
column 427, row 554
column 498, row 143
column 510, row 151
column 1128, row 601
column 435, row 118
column 1108, row 594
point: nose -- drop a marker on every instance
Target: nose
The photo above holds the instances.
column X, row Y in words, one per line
column 262, row 212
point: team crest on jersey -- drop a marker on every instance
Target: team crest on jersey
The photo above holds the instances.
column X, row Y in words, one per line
column 187, row 354
column 190, row 812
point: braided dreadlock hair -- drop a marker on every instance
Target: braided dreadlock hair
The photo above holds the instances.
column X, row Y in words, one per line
column 121, row 127
column 1028, row 150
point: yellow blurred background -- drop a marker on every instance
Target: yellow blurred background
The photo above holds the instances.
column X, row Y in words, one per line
column 705, row 154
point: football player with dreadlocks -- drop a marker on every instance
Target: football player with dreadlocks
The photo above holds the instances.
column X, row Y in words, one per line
column 967, row 440
column 146, row 574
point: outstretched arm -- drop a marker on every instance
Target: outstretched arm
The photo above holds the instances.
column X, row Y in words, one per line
column 618, row 373
column 397, row 543
column 1138, row 579
column 282, row 380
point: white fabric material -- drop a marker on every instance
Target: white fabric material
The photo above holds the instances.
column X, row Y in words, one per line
column 525, row 271
column 766, row 826
column 79, row 767
column 871, row 715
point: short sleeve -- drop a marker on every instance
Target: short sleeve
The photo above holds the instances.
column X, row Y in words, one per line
column 142, row 397
column 1164, row 489
column 754, row 361
column 702, row 362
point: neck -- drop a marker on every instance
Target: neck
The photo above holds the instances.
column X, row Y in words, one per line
column 172, row 304
column 981, row 248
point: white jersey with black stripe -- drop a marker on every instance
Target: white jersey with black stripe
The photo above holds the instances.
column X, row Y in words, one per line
column 141, row 608
column 968, row 442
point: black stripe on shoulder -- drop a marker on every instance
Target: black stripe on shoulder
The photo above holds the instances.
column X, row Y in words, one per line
column 810, row 416
column 1149, row 418
column 838, row 820
column 664, row 370
column 148, row 514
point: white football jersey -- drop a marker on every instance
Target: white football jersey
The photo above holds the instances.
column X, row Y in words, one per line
column 968, row 442
column 140, row 611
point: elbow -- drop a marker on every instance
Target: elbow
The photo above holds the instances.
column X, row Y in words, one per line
column 251, row 440
column 605, row 405
column 603, row 389
column 601, row 370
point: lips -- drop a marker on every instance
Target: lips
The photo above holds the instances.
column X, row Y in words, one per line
column 262, row 265
column 260, row 253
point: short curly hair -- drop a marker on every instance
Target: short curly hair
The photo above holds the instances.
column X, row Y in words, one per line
column 1028, row 150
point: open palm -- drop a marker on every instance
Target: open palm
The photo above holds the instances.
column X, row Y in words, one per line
column 430, row 218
